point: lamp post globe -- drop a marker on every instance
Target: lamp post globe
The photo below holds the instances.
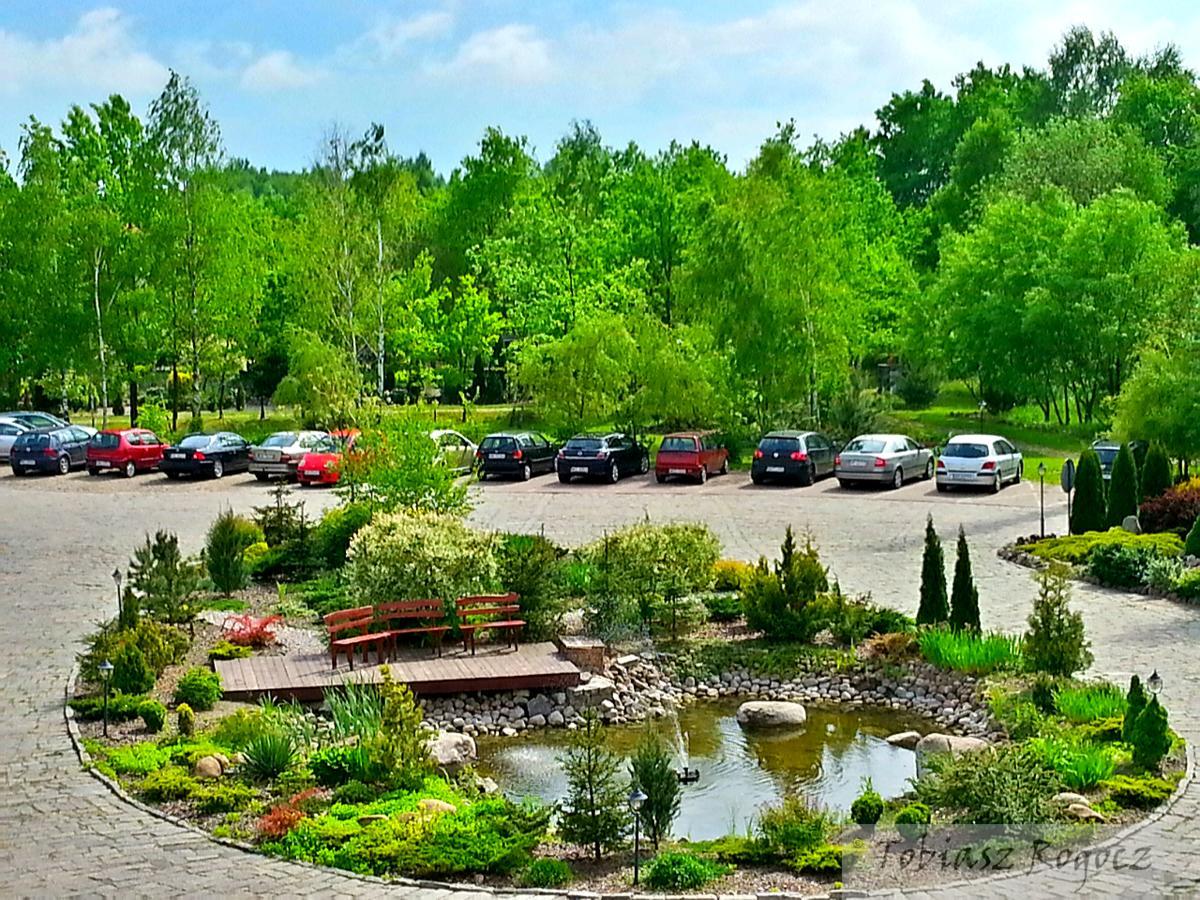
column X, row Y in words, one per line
column 636, row 800
column 1154, row 683
column 105, row 674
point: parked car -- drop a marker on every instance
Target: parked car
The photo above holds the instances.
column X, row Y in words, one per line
column 609, row 456
column 322, row 464
column 691, row 454
column 125, row 450
column 57, row 450
column 797, row 456
column 457, row 451
column 35, row 419
column 1108, row 450
column 9, row 430
column 522, row 454
column 281, row 452
column 978, row 460
column 214, row 455
column 889, row 459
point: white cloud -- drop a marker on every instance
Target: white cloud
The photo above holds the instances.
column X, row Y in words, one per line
column 99, row 54
column 278, row 70
column 392, row 37
column 514, row 55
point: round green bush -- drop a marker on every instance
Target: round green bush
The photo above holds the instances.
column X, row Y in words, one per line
column 331, row 538
column 186, row 719
column 199, row 688
column 546, row 873
column 154, row 715
column 682, row 872
column 912, row 819
column 355, row 792
column 131, row 674
column 868, row 807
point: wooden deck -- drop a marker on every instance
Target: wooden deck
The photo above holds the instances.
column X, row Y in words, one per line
column 305, row 676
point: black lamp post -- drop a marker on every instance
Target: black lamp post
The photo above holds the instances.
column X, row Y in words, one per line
column 105, row 674
column 1042, row 494
column 1155, row 683
column 636, row 799
column 116, row 577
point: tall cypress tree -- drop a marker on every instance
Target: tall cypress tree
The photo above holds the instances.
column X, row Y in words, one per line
column 1122, row 488
column 964, row 598
column 595, row 812
column 1156, row 474
column 1088, row 513
column 1135, row 702
column 933, row 608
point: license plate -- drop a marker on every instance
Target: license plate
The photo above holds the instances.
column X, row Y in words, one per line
column 102, row 464
column 578, row 470
column 29, row 462
column 311, row 474
column 857, row 464
column 962, row 476
column 677, row 471
column 177, row 455
column 495, row 456
column 774, row 469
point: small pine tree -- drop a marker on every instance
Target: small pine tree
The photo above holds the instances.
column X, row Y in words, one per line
column 1088, row 513
column 1135, row 702
column 964, row 598
column 651, row 772
column 594, row 812
column 131, row 674
column 1191, row 547
column 933, row 607
column 1156, row 474
column 1122, row 488
column 401, row 746
column 1151, row 737
column 1055, row 643
column 223, row 553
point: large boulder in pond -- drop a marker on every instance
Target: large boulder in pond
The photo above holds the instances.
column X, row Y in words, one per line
column 771, row 714
column 450, row 750
column 953, row 744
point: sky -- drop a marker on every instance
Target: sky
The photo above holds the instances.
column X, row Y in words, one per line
column 277, row 74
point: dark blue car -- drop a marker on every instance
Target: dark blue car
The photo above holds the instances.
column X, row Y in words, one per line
column 56, row 450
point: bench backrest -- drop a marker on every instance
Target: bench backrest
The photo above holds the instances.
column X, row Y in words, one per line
column 486, row 605
column 407, row 610
column 361, row 618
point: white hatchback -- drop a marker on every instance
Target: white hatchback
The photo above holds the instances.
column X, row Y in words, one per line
column 979, row 460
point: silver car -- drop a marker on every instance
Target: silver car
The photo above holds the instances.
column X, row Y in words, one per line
column 9, row 429
column 455, row 450
column 280, row 454
column 979, row 460
column 890, row 459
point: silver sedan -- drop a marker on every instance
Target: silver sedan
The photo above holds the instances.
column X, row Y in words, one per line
column 890, row 459
column 9, row 429
column 280, row 454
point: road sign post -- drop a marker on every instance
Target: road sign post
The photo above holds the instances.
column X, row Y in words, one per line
column 1068, row 485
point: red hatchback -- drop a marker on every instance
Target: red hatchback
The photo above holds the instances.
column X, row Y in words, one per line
column 125, row 450
column 322, row 465
column 692, row 455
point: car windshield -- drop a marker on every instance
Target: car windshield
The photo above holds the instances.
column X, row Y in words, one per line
column 103, row 441
column 678, row 444
column 778, row 444
column 585, row 444
column 32, row 441
column 1107, row 454
column 966, row 451
column 865, row 445
column 494, row 442
column 195, row 441
column 283, row 439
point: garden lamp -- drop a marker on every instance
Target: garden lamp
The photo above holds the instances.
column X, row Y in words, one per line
column 116, row 577
column 105, row 674
column 636, row 799
column 1155, row 683
column 1042, row 494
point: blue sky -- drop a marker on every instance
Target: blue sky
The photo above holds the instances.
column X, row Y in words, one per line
column 277, row 74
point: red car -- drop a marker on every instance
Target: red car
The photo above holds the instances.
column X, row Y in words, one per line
column 126, row 450
column 690, row 454
column 322, row 466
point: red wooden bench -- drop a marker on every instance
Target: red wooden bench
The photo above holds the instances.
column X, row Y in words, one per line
column 350, row 629
column 403, row 617
column 498, row 612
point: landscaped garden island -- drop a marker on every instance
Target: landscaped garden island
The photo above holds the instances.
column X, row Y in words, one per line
column 746, row 727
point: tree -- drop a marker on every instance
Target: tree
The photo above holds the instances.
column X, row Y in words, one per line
column 1122, row 488
column 594, row 812
column 1086, row 73
column 933, row 607
column 1151, row 736
column 1191, row 547
column 1135, row 702
column 650, row 771
column 1156, row 474
column 1159, row 400
column 168, row 583
column 964, row 598
column 1088, row 512
column 1055, row 642
column 223, row 552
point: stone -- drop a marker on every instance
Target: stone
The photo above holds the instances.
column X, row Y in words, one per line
column 207, row 767
column 1084, row 813
column 946, row 743
column 364, row 821
column 539, row 706
column 435, row 806
column 487, row 785
column 537, row 721
column 1069, row 798
column 771, row 714
column 449, row 750
column 555, row 719
column 592, row 692
column 906, row 739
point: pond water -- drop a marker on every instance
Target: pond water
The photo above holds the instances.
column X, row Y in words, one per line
column 740, row 771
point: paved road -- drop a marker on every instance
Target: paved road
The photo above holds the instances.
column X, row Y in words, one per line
column 62, row 833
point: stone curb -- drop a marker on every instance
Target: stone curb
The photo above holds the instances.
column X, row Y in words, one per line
column 85, row 760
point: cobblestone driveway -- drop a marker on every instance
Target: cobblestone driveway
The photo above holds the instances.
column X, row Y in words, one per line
column 62, row 833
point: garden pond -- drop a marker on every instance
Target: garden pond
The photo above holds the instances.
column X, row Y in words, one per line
column 825, row 760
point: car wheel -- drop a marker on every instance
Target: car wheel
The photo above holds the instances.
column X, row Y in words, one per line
column 261, row 476
column 660, row 477
column 64, row 465
column 943, row 488
column 844, row 484
column 898, row 478
column 93, row 471
column 997, row 483
column 218, row 468
column 17, row 473
column 526, row 472
column 1020, row 473
column 703, row 476
column 130, row 469
column 171, row 475
column 929, row 470
column 564, row 477
column 644, row 466
column 725, row 466
column 614, row 472
column 807, row 477
column 756, row 478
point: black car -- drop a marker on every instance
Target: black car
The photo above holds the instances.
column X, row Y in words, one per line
column 57, row 450
column 608, row 456
column 520, row 454
column 207, row 454
column 796, row 456
column 1108, row 450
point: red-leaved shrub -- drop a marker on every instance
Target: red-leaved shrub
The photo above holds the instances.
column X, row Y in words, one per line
column 251, row 631
column 279, row 821
column 1175, row 511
